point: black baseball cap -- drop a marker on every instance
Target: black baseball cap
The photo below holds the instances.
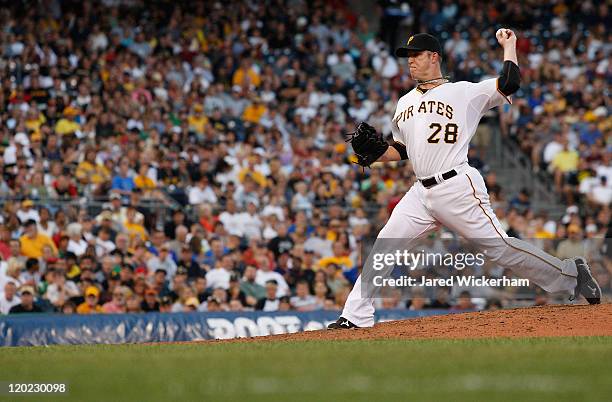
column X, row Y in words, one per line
column 418, row 43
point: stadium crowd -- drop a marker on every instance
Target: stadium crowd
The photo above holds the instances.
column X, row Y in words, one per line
column 232, row 117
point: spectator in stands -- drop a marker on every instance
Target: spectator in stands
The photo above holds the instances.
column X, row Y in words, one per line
column 493, row 304
column 9, row 297
column 265, row 274
column 565, row 165
column 601, row 193
column 417, row 300
column 252, row 290
column 123, row 183
column 132, row 303
column 32, row 242
column 303, row 300
column 235, row 294
column 27, row 304
column 90, row 305
column 14, row 268
column 464, row 302
column 572, row 246
column 271, row 301
column 77, row 243
column 165, row 304
column 31, row 275
column 441, row 299
column 28, row 212
column 150, row 303
column 117, row 302
column 68, row 308
column 59, row 289
column 220, row 275
column 163, row 261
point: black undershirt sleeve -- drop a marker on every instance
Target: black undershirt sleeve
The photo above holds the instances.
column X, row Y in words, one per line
column 509, row 80
column 401, row 148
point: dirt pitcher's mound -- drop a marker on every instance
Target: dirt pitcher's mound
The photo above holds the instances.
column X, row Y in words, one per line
column 570, row 320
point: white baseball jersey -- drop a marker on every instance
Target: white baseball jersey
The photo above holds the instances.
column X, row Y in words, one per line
column 436, row 126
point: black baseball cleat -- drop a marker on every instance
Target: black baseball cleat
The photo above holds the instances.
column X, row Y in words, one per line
column 342, row 323
column 586, row 285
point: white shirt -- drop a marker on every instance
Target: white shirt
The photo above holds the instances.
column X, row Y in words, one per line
column 218, row 278
column 339, row 170
column 271, row 305
column 309, row 301
column 355, row 221
column 387, row 67
column 69, row 289
column 269, row 233
column 5, row 305
column 458, row 48
column 602, row 195
column 587, row 184
column 262, row 277
column 50, row 230
column 321, row 246
column 550, row 150
column 198, row 195
column 359, row 114
column 104, row 247
column 306, row 113
column 167, row 265
column 605, row 170
column 231, row 222
column 26, row 215
column 274, row 210
column 301, row 202
column 251, row 225
column 436, row 126
column 77, row 247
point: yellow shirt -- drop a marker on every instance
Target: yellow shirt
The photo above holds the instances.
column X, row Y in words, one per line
column 65, row 126
column 84, row 308
column 93, row 173
column 253, row 113
column 258, row 177
column 197, row 123
column 34, row 125
column 240, row 76
column 33, row 248
column 135, row 229
column 331, row 236
column 343, row 261
column 543, row 234
column 144, row 182
column 566, row 161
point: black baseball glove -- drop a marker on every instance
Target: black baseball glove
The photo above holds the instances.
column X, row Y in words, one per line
column 367, row 144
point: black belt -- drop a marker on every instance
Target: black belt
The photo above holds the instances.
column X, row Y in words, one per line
column 430, row 182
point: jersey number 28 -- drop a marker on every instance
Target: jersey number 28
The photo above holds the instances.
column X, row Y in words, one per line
column 450, row 133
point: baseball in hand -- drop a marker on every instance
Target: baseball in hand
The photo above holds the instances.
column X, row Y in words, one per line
column 505, row 36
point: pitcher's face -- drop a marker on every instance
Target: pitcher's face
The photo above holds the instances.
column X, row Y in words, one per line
column 422, row 64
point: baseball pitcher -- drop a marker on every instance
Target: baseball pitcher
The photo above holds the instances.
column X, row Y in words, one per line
column 432, row 126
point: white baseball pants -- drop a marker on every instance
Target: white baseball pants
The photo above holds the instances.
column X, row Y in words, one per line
column 461, row 203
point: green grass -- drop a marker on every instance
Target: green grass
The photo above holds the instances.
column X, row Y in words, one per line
column 544, row 369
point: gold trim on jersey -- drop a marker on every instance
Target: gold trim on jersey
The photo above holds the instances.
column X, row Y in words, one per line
column 503, row 238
